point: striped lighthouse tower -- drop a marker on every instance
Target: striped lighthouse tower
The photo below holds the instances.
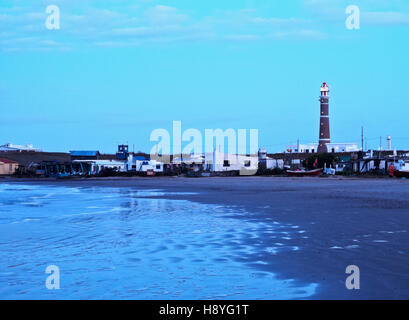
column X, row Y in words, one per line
column 324, row 137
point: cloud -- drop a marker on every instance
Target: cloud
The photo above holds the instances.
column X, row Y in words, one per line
column 373, row 12
column 164, row 15
column 280, row 21
column 139, row 23
column 385, row 18
column 242, row 37
column 304, row 34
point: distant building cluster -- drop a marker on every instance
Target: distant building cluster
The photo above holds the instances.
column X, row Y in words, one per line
column 129, row 162
column 345, row 157
column 92, row 163
column 9, row 147
column 331, row 147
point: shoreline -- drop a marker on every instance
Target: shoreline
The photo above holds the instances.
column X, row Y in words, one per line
column 348, row 221
column 142, row 179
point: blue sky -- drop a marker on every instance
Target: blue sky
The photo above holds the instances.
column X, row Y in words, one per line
column 118, row 69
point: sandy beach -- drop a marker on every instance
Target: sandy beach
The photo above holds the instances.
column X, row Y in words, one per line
column 341, row 222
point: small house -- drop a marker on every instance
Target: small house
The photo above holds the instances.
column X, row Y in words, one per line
column 7, row 167
column 223, row 162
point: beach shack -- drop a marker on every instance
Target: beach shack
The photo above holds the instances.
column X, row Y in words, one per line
column 217, row 161
column 265, row 162
column 7, row 167
column 150, row 166
column 142, row 165
column 99, row 166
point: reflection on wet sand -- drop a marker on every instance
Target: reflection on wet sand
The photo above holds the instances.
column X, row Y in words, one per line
column 125, row 243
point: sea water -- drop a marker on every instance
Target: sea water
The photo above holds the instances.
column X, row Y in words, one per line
column 123, row 243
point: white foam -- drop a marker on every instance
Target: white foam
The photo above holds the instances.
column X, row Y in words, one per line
column 352, row 246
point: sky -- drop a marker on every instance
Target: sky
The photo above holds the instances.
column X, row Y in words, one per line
column 118, row 69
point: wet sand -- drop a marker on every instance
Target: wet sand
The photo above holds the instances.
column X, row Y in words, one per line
column 341, row 222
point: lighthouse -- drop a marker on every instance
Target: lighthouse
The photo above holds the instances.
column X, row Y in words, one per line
column 324, row 137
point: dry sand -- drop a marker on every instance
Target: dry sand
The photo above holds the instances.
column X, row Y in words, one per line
column 363, row 222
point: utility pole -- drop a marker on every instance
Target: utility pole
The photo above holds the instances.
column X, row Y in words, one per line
column 362, row 138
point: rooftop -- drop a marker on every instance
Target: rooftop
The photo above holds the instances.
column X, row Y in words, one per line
column 84, row 153
column 7, row 161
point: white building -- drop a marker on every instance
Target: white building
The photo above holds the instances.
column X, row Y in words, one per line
column 332, row 147
column 221, row 162
column 96, row 166
column 191, row 159
column 8, row 147
column 267, row 162
column 140, row 164
column 195, row 162
column 149, row 165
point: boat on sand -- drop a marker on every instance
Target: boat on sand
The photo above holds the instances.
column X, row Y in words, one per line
column 304, row 173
